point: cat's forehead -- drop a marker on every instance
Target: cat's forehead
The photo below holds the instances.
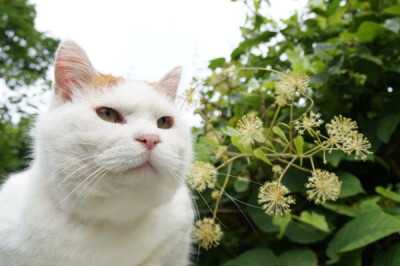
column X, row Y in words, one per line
column 133, row 95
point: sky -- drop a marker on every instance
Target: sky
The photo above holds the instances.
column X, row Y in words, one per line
column 144, row 39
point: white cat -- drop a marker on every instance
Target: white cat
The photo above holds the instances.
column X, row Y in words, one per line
column 106, row 186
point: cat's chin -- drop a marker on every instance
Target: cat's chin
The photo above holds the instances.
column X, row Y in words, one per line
column 147, row 166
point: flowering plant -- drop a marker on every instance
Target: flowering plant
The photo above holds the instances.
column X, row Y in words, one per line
column 275, row 211
column 280, row 145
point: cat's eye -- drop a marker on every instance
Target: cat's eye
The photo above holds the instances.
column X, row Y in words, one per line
column 109, row 115
column 165, row 122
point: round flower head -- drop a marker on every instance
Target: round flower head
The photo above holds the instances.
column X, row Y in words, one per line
column 289, row 84
column 322, row 186
column 308, row 122
column 202, row 175
column 277, row 169
column 208, row 233
column 341, row 127
column 359, row 144
column 273, row 194
column 249, row 128
column 340, row 130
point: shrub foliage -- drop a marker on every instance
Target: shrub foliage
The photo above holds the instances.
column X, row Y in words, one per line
column 350, row 51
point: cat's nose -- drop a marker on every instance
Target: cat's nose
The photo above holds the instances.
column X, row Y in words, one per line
column 150, row 140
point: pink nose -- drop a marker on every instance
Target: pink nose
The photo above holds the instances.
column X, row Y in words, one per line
column 149, row 140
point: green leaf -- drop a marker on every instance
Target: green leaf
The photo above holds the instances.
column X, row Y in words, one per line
column 254, row 257
column 386, row 126
column 370, row 204
column 279, row 132
column 227, row 130
column 303, row 233
column 202, row 152
column 244, row 148
column 299, row 143
column 351, row 185
column 389, row 257
column 395, row 10
column 335, row 157
column 368, row 31
column 241, row 185
column 297, row 257
column 259, row 154
column 282, row 221
column 392, row 24
column 351, row 258
column 388, row 193
column 216, row 63
column 295, row 179
column 341, row 209
column 361, row 231
column 258, row 215
column 314, row 219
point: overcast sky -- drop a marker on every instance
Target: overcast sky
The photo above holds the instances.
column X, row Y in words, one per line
column 144, row 39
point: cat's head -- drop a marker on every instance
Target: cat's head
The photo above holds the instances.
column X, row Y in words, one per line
column 110, row 146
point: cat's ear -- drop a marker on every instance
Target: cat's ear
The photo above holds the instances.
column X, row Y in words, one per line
column 73, row 69
column 170, row 82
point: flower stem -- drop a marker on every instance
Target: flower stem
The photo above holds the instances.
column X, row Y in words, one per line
column 286, row 168
column 228, row 174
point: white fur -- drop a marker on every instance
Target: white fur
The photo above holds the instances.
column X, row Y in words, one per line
column 79, row 204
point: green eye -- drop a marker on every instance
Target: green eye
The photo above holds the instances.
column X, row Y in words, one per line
column 165, row 122
column 109, row 115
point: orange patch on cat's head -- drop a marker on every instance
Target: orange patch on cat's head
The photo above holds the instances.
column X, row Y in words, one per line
column 105, row 81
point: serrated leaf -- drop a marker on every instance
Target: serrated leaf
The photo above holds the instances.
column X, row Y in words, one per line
column 259, row 154
column 297, row 257
column 254, row 257
column 363, row 230
column 279, row 132
column 351, row 185
column 282, row 221
column 388, row 193
column 314, row 219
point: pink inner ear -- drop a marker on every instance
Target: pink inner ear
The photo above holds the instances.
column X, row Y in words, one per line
column 170, row 82
column 73, row 69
